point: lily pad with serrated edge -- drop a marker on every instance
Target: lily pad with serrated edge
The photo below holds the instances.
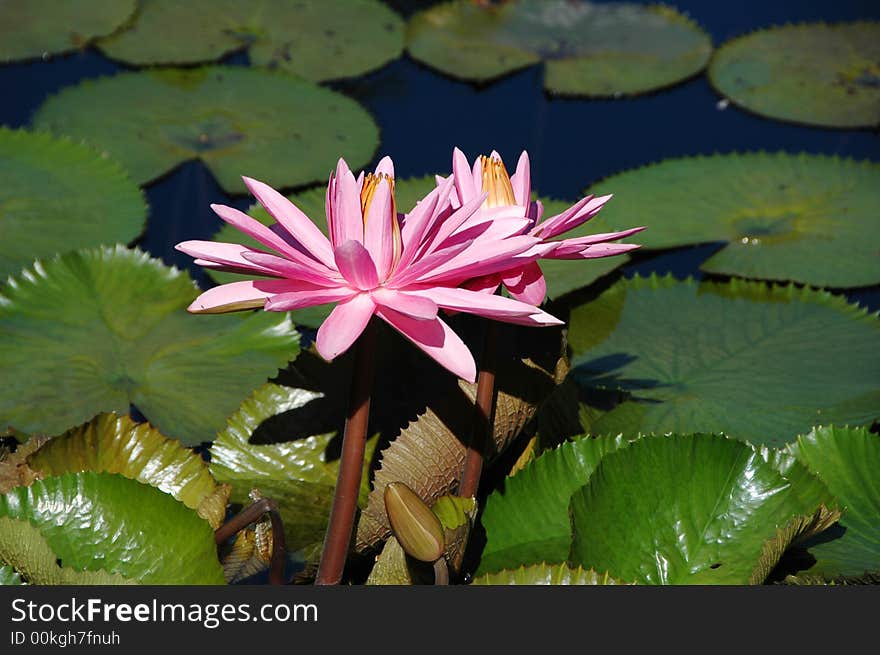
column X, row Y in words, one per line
column 292, row 469
column 106, row 522
column 757, row 362
column 812, row 73
column 589, row 49
column 689, row 509
column 103, row 329
column 57, row 196
column 238, row 121
column 544, row 574
column 314, row 39
column 116, row 444
column 38, row 28
column 847, row 461
column 804, row 218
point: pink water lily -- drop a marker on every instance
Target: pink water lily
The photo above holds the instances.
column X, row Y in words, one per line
column 401, row 268
column 525, row 281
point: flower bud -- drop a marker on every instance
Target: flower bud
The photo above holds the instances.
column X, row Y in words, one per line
column 417, row 528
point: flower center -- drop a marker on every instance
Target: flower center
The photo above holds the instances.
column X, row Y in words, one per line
column 371, row 185
column 496, row 182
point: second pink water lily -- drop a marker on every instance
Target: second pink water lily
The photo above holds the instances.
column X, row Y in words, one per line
column 402, row 269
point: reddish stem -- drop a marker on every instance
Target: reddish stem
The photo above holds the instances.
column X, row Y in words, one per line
column 342, row 514
column 484, row 409
column 250, row 514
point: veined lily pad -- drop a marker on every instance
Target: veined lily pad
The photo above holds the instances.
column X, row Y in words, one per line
column 314, row 39
column 38, row 28
column 544, row 574
column 756, row 362
column 116, row 444
column 811, row 73
column 238, row 121
column 588, row 48
column 806, row 218
column 100, row 330
column 689, row 509
column 294, row 472
column 106, row 522
column 8, row 576
column 59, row 196
column 848, row 461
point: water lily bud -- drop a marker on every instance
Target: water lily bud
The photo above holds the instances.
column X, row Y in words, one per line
column 417, row 528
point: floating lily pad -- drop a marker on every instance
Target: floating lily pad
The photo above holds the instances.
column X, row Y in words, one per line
column 39, row 28
column 311, row 38
column 812, row 73
column 59, row 196
column 806, row 218
column 543, row 574
column 848, row 461
column 590, row 49
column 238, row 121
column 116, row 444
column 100, row 330
column 688, row 509
column 8, row 576
column 757, row 362
column 292, row 468
column 106, row 522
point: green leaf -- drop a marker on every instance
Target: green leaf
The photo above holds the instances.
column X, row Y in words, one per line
column 116, row 444
column 756, row 362
column 806, row 218
column 58, row 196
column 238, row 121
column 811, row 73
column 847, row 461
column 527, row 522
column 101, row 521
column 310, row 38
column 8, row 576
column 100, row 330
column 407, row 192
column 687, row 509
column 544, row 574
column 589, row 48
column 291, row 469
column 38, row 28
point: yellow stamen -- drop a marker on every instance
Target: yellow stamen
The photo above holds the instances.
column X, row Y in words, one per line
column 368, row 191
column 496, row 182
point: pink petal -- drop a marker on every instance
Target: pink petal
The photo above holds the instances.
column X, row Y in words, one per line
column 410, row 304
column 235, row 296
column 385, row 167
column 344, row 325
column 279, row 266
column 348, row 221
column 484, row 284
column 435, row 339
column 464, row 180
column 222, row 256
column 420, row 220
column 290, row 300
column 378, row 231
column 436, row 238
column 527, row 284
column 591, row 252
column 592, row 239
column 483, row 259
column 356, row 265
column 490, row 306
column 576, row 215
column 293, row 220
column 521, row 180
column 404, row 276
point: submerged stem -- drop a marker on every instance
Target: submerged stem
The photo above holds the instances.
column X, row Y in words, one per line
column 484, row 409
column 351, row 463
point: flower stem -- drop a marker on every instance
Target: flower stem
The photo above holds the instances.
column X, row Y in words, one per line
column 484, row 408
column 252, row 513
column 348, row 481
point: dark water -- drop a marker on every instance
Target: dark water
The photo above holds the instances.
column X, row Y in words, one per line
column 572, row 143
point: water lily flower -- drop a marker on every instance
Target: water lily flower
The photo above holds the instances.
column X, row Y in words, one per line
column 525, row 281
column 401, row 268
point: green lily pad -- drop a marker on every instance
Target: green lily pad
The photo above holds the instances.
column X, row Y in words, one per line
column 313, row 39
column 294, row 472
column 544, row 574
column 8, row 575
column 106, row 522
column 847, row 460
column 59, row 196
column 116, row 444
column 756, row 362
column 38, row 28
column 812, row 73
column 805, row 218
column 238, row 121
column 100, row 330
column 589, row 49
column 688, row 509
column 528, row 522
